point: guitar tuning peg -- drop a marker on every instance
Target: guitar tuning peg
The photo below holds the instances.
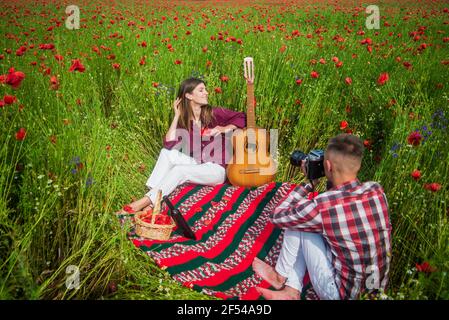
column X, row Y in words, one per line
column 248, row 68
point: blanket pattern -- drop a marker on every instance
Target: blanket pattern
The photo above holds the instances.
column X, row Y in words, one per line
column 232, row 227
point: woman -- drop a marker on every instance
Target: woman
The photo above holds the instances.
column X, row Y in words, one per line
column 195, row 126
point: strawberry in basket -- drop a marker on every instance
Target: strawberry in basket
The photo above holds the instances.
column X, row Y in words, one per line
column 162, row 219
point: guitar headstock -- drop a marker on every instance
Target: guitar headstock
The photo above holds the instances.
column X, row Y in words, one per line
column 248, row 68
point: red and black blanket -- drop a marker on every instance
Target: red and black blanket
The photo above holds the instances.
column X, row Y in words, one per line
column 232, row 227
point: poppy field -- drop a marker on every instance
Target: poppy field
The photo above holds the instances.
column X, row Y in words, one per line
column 83, row 111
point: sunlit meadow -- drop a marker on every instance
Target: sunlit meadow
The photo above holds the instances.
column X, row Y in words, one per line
column 83, row 112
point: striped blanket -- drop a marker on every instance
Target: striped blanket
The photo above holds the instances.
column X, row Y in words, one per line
column 232, row 227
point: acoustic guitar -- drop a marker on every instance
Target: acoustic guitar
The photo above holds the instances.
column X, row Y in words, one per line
column 251, row 165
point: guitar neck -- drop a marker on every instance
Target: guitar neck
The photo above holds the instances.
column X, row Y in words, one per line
column 250, row 114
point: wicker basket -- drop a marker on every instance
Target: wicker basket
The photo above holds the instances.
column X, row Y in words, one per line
column 152, row 230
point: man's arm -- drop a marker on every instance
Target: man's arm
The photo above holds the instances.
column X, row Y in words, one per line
column 297, row 212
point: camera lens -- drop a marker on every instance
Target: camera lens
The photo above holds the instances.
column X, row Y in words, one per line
column 296, row 157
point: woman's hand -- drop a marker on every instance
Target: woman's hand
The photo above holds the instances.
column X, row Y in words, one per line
column 215, row 131
column 177, row 107
column 219, row 130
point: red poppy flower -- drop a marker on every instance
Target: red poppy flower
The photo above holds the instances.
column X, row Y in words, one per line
column 77, row 66
column 14, row 78
column 416, row 174
column 9, row 99
column 367, row 41
column 21, row 51
column 178, row 61
column 339, row 64
column 128, row 209
column 162, row 219
column 142, row 61
column 367, row 144
column 348, row 81
column 348, row 109
column 59, row 57
column 343, row 125
column 434, row 187
column 46, row 46
column 425, row 267
column 21, row 134
column 224, row 78
column 116, row 66
column 298, row 81
column 383, row 78
column 414, row 138
column 407, row 64
column 218, row 90
column 2, row 103
column 283, row 48
column 54, row 83
column 314, row 74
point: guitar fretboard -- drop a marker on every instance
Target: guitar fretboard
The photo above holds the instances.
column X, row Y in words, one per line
column 250, row 114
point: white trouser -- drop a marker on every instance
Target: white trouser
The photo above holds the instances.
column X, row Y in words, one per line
column 306, row 250
column 174, row 168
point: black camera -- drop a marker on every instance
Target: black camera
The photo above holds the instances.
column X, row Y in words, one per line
column 314, row 162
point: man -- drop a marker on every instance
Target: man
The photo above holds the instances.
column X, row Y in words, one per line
column 342, row 236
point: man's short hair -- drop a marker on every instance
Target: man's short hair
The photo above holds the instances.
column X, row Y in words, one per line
column 346, row 145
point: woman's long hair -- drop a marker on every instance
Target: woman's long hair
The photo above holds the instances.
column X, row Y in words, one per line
column 187, row 86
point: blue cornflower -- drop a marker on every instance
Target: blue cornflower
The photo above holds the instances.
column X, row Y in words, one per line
column 75, row 160
column 396, row 146
column 89, row 181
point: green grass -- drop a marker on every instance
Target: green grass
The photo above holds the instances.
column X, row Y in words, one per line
column 52, row 217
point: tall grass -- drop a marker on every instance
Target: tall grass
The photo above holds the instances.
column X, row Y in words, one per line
column 91, row 144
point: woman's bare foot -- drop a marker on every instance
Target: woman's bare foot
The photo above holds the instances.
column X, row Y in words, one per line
column 135, row 206
column 267, row 272
column 288, row 293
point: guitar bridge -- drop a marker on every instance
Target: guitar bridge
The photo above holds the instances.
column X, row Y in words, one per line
column 249, row 171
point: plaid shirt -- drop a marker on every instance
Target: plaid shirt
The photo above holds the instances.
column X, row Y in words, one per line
column 353, row 219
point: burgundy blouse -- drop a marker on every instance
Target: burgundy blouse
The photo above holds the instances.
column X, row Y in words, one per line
column 204, row 148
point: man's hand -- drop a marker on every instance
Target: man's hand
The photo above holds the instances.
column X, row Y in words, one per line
column 304, row 171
